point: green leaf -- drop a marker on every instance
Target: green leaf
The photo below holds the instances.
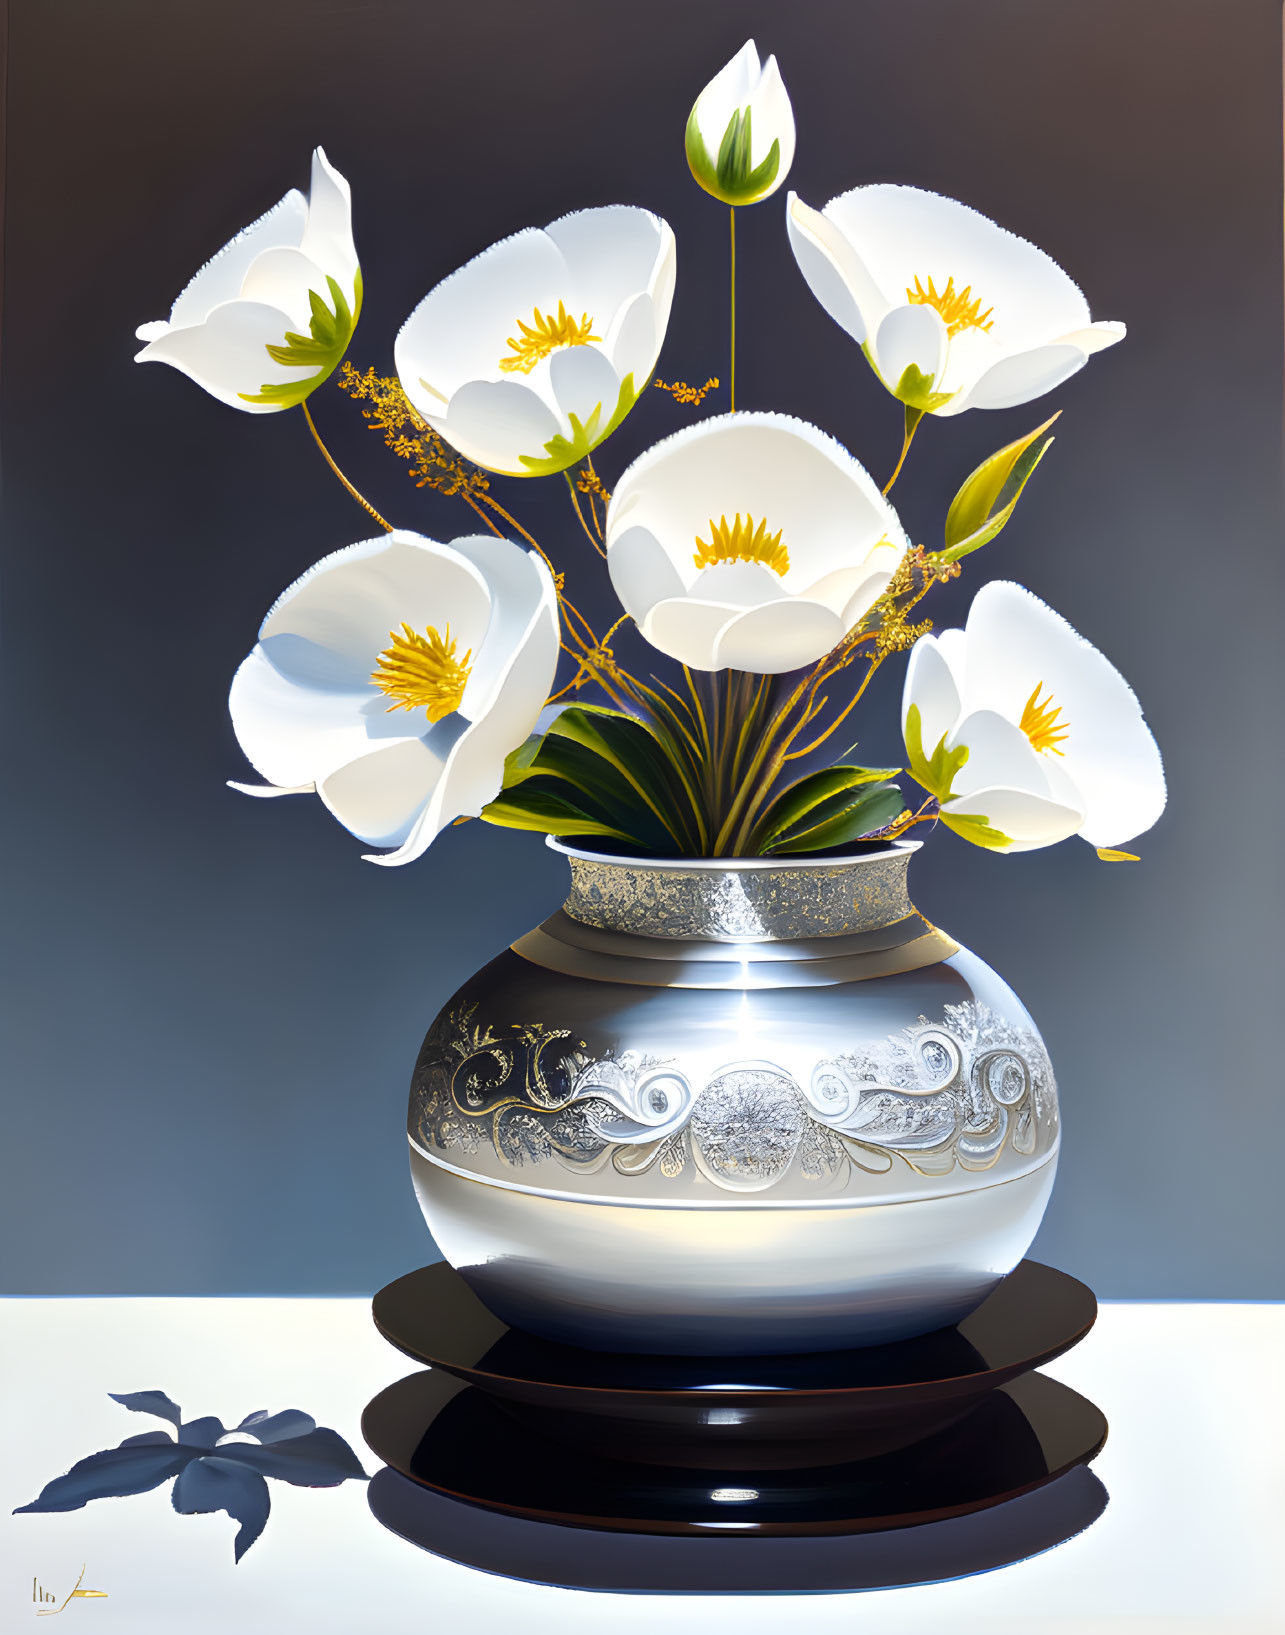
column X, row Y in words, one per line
column 986, row 501
column 591, row 784
column 844, row 817
column 628, row 747
column 937, row 772
column 815, row 798
column 546, row 811
column 675, row 723
column 321, row 351
column 970, row 826
column 602, row 767
column 562, row 452
column 676, row 728
column 518, row 763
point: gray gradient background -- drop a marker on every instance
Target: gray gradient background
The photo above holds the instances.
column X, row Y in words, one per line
column 210, row 1005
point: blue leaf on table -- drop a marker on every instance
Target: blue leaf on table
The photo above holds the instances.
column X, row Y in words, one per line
column 213, row 1483
column 150, row 1402
column 213, row 1473
column 201, row 1433
column 111, row 1475
column 275, row 1427
column 319, row 1458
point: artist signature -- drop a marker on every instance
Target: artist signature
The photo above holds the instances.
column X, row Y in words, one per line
column 40, row 1594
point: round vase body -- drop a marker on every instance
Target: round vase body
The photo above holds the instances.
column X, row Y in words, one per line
column 734, row 1107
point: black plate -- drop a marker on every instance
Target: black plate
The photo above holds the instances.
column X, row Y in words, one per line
column 638, row 1563
column 453, row 1439
column 805, row 1409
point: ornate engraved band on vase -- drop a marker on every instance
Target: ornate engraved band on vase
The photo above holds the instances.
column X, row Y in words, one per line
column 756, row 898
column 648, row 1127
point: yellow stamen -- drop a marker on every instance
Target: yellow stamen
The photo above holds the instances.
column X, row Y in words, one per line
column 742, row 543
column 956, row 311
column 1041, row 725
column 546, row 335
column 422, row 673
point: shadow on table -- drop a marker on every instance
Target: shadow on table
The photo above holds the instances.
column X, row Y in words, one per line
column 575, row 1558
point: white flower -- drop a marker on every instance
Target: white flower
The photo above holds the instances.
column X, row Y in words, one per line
column 749, row 542
column 740, row 135
column 1055, row 738
column 269, row 318
column 952, row 311
column 528, row 357
column 463, row 641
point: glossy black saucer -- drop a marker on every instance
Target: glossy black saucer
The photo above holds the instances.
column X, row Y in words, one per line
column 451, row 1438
column 642, row 1563
column 828, row 1407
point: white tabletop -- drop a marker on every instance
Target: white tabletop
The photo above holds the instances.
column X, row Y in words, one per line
column 1191, row 1542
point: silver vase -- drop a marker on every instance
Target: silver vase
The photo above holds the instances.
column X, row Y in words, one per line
column 734, row 1107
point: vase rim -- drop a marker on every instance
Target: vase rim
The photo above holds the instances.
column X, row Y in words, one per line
column 733, row 865
column 741, row 899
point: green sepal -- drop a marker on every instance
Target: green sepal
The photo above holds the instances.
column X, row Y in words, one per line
column 729, row 177
column 936, row 773
column 322, row 350
column 986, row 500
column 915, row 390
column 562, row 452
column 815, row 800
column 971, row 827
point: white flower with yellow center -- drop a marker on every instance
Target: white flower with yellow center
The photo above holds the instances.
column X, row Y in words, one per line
column 749, row 542
column 270, row 317
column 740, row 135
column 533, row 353
column 952, row 312
column 1055, row 741
column 394, row 677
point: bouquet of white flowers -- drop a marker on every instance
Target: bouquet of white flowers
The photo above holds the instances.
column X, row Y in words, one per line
column 408, row 681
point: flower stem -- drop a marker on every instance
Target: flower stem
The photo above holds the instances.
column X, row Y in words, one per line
column 575, row 500
column 563, row 601
column 360, row 498
column 923, row 815
column 586, row 642
column 913, row 417
column 474, row 506
column 731, row 222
